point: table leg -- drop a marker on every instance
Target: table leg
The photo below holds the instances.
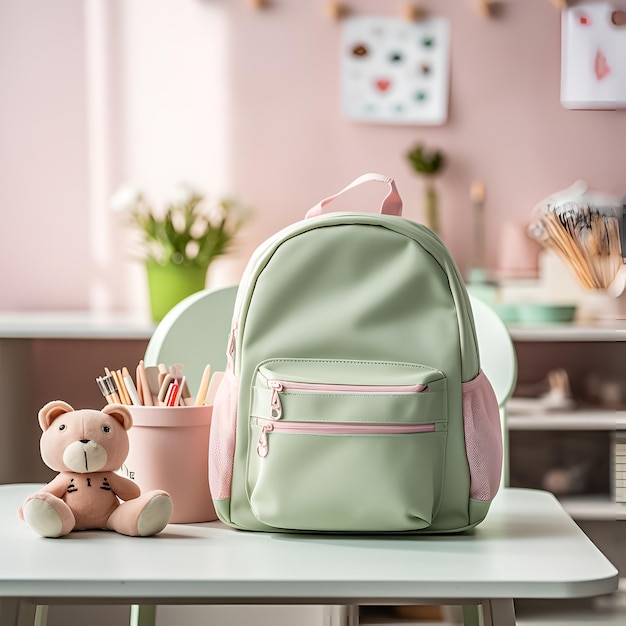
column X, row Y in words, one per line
column 142, row 615
column 341, row 615
column 471, row 615
column 41, row 615
column 498, row 612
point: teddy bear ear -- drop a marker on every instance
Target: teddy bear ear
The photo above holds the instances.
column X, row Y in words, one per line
column 48, row 413
column 120, row 413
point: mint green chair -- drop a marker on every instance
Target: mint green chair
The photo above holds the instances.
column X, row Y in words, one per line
column 194, row 333
column 498, row 361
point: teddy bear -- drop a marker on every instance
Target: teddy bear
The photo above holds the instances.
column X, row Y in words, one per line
column 87, row 447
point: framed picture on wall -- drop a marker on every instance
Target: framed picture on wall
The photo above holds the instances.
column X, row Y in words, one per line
column 593, row 55
column 395, row 71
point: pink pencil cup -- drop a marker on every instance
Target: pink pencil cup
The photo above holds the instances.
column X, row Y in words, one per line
column 169, row 449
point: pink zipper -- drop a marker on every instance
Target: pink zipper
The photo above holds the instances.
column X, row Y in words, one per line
column 278, row 386
column 337, row 428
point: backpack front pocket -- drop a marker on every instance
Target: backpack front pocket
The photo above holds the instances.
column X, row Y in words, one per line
column 346, row 445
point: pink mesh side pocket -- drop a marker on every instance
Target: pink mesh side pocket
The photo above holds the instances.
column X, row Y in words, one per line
column 483, row 437
column 222, row 438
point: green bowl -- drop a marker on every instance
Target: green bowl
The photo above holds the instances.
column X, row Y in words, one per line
column 546, row 313
column 508, row 312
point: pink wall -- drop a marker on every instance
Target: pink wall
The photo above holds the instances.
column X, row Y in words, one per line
column 43, row 155
column 247, row 101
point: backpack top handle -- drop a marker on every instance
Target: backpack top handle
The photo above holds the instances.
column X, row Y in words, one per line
column 392, row 204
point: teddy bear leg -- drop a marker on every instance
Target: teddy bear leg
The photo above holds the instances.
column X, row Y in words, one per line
column 48, row 515
column 146, row 515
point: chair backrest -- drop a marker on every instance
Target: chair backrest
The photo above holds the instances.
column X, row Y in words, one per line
column 194, row 333
column 499, row 362
column 497, row 353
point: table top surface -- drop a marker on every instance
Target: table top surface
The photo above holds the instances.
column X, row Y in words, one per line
column 527, row 547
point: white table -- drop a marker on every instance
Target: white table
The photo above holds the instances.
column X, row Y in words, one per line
column 528, row 547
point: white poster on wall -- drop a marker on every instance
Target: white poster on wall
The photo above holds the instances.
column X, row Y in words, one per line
column 395, row 71
column 593, row 55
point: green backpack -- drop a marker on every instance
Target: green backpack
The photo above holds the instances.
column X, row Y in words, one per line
column 353, row 399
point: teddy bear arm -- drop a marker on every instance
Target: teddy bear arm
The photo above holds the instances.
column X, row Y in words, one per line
column 57, row 486
column 124, row 488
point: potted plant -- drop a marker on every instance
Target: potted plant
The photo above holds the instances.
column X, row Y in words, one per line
column 428, row 165
column 179, row 242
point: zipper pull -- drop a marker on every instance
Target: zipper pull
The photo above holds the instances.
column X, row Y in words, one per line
column 262, row 447
column 276, row 409
column 230, row 352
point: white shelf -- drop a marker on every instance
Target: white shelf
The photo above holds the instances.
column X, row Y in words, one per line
column 583, row 419
column 570, row 619
column 609, row 331
column 606, row 611
column 74, row 325
column 593, row 508
column 573, row 618
column 603, row 611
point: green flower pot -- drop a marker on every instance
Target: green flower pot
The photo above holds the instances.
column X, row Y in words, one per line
column 169, row 284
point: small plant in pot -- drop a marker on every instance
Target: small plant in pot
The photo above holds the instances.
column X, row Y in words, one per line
column 428, row 164
column 179, row 241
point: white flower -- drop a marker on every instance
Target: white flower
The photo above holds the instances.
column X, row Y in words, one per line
column 216, row 213
column 192, row 249
column 178, row 222
column 125, row 198
column 236, row 214
column 198, row 228
column 183, row 193
column 181, row 232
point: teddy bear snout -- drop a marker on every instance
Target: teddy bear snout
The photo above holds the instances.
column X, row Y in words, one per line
column 85, row 455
